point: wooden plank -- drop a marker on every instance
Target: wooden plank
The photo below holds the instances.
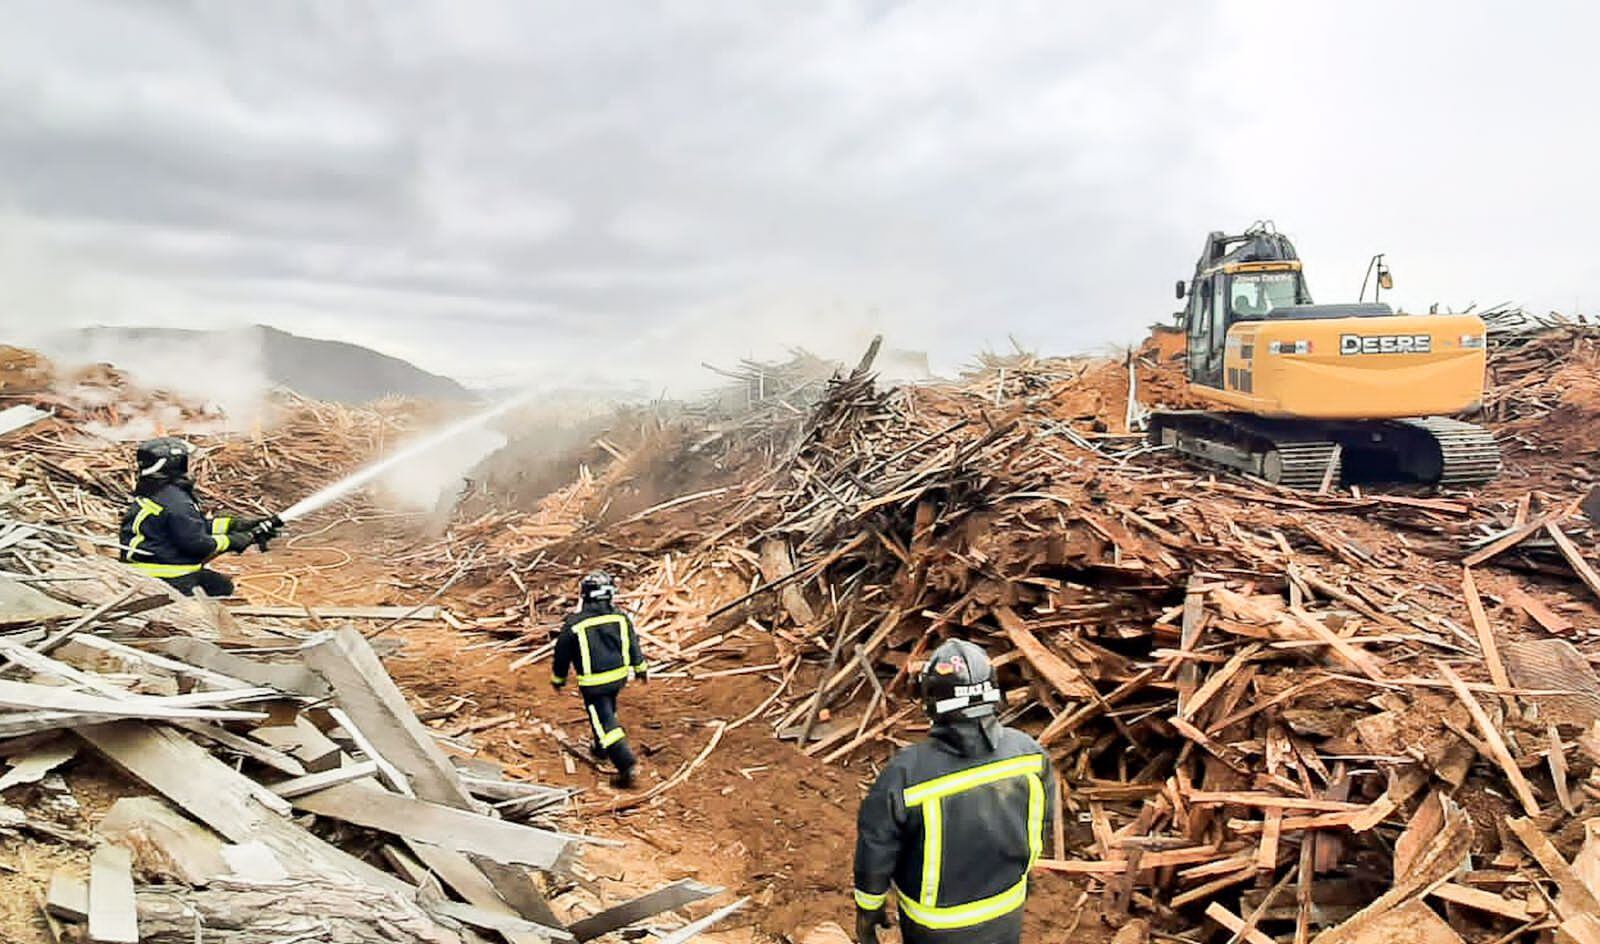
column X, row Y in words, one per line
column 666, row 898
column 1574, row 558
column 33, row 766
column 322, row 780
column 207, row 677
column 255, row 750
column 1480, row 623
column 293, row 679
column 1413, row 922
column 1491, row 737
column 113, row 914
column 439, row 825
column 1575, row 897
column 1361, row 660
column 212, row 792
column 25, row 696
column 1552, row 621
column 426, row 613
column 1269, row 801
column 1272, row 830
column 1189, row 638
column 1235, row 924
column 68, row 898
column 303, row 740
column 1483, row 901
column 1508, row 540
column 1217, row 680
column 1062, row 675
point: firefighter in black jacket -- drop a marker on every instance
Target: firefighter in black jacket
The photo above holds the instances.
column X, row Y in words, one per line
column 599, row 641
column 956, row 822
column 164, row 533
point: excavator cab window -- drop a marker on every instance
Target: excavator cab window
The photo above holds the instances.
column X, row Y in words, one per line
column 1256, row 294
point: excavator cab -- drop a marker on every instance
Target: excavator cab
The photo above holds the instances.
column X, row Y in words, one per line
column 1237, row 278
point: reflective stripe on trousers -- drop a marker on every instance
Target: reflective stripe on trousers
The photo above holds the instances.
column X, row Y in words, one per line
column 924, row 908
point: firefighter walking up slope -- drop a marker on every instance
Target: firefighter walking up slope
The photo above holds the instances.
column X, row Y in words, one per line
column 600, row 642
column 166, row 535
column 956, row 822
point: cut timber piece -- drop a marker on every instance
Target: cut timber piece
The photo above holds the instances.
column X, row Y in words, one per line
column 1235, row 924
column 509, row 925
column 256, row 751
column 302, row 912
column 1579, row 929
column 1587, row 864
column 1358, row 658
column 204, row 676
column 666, row 898
column 22, row 605
column 1574, row 558
column 1491, row 737
column 26, row 697
column 1062, row 675
column 364, row 689
column 290, row 678
column 1510, row 539
column 305, row 742
column 777, row 560
column 33, row 766
column 424, row 613
column 1575, row 897
column 311, row 783
column 164, row 843
column 113, row 914
column 1412, row 923
column 1484, row 901
column 68, row 898
column 1480, row 623
column 1551, row 620
column 435, row 824
column 230, row 803
column 1556, row 665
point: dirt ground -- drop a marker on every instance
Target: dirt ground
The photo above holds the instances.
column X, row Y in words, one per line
column 757, row 817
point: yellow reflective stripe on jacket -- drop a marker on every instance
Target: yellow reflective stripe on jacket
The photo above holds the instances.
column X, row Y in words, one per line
column 587, row 676
column 965, row 916
column 974, row 777
column 924, row 909
column 932, row 852
column 223, row 542
column 221, row 525
column 147, row 509
column 868, row 902
column 164, row 570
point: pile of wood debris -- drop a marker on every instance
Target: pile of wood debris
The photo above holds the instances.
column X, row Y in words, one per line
column 1280, row 713
column 276, row 783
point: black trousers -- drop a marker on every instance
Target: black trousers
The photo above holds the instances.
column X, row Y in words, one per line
column 601, row 706
column 213, row 584
column 1002, row 930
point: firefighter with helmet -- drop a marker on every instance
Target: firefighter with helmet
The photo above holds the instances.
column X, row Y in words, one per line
column 599, row 641
column 166, row 535
column 956, row 822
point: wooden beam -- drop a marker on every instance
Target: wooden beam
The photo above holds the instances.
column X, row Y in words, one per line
column 1062, row 675
column 1552, row 621
column 68, row 898
column 666, row 898
column 1491, row 737
column 1509, row 540
column 1480, row 622
column 24, row 696
column 438, row 825
column 1361, row 660
column 1235, row 924
column 1574, row 558
column 311, row 783
column 198, row 654
column 113, row 913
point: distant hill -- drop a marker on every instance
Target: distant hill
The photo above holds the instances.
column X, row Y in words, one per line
column 312, row 367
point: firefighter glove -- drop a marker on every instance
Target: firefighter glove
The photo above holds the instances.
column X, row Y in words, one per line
column 868, row 923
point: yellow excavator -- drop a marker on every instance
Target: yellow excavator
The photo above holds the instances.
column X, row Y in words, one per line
column 1304, row 394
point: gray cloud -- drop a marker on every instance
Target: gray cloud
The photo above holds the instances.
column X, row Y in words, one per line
column 498, row 189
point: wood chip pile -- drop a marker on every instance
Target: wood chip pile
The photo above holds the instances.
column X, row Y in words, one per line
column 1283, row 714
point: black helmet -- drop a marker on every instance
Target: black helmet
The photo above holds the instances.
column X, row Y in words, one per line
column 958, row 682
column 163, row 460
column 598, row 587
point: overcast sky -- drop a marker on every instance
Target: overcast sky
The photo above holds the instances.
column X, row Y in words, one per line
column 510, row 189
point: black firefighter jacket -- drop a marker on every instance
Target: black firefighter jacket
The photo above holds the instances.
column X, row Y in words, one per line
column 955, row 823
column 600, row 643
column 165, row 534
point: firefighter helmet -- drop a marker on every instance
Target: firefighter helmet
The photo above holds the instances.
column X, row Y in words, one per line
column 163, row 460
column 598, row 587
column 958, row 682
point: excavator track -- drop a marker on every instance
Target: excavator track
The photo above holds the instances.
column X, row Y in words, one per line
column 1302, row 454
column 1469, row 455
